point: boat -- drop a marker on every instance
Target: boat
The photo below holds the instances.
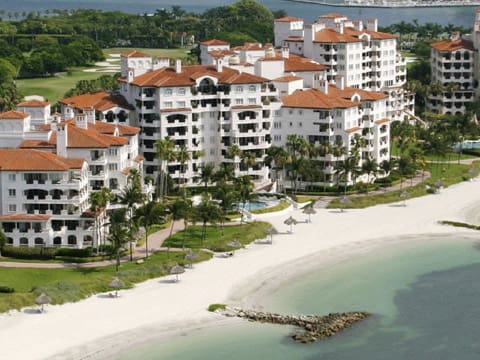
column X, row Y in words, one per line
column 395, row 3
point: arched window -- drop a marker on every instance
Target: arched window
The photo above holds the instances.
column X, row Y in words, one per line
column 122, row 116
column 57, row 240
column 72, row 240
column 39, row 241
column 110, row 116
column 23, row 241
column 9, row 241
column 206, row 86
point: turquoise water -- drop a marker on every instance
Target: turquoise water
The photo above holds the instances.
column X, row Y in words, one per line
column 424, row 297
column 253, row 205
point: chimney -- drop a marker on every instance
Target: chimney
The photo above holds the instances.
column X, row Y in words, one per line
column 323, row 86
column 340, row 82
column 90, row 112
column 340, row 28
column 372, row 24
column 455, row 35
column 219, row 65
column 81, row 121
column 62, row 140
column 285, row 52
column 178, row 66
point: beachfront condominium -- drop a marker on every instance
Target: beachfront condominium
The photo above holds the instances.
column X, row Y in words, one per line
column 204, row 109
column 452, row 63
column 341, row 122
column 364, row 57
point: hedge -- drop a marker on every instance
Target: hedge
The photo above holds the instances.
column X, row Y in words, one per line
column 29, row 253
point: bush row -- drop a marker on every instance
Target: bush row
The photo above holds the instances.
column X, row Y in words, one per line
column 45, row 253
column 6, row 289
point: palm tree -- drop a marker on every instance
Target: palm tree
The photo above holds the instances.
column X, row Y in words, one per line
column 130, row 196
column 369, row 167
column 208, row 212
column 165, row 152
column 119, row 233
column 244, row 188
column 298, row 148
column 277, row 158
column 346, row 168
column 227, row 195
column 249, row 159
column 182, row 155
column 98, row 202
column 234, row 152
column 149, row 214
column 207, row 174
column 178, row 210
column 3, row 241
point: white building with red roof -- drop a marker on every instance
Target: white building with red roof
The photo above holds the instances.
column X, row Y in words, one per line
column 205, row 109
column 358, row 52
column 44, row 199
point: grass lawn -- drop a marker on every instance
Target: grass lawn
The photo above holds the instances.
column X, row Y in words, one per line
column 448, row 173
column 73, row 284
column 301, row 199
column 282, row 205
column 55, row 87
column 171, row 53
column 245, row 234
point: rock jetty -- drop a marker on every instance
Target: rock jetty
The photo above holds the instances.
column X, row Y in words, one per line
column 314, row 327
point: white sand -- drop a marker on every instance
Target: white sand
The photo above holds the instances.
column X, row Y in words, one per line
column 93, row 327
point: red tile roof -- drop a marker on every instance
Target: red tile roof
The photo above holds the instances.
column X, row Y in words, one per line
column 352, row 130
column 315, row 99
column 449, row 45
column 31, row 217
column 35, row 160
column 13, row 114
column 300, row 64
column 348, row 92
column 176, row 110
column 100, row 101
column 33, row 144
column 245, row 107
column 382, row 121
column 33, row 103
column 287, row 78
column 139, row 158
column 294, row 38
column 214, row 42
column 375, row 35
column 109, row 128
column 288, row 19
column 332, row 16
column 332, row 36
column 134, row 53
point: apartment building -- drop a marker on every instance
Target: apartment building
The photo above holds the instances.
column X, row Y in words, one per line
column 44, row 199
column 364, row 57
column 205, row 109
column 336, row 115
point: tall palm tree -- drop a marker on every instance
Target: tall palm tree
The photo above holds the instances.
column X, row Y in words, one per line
column 178, row 209
column 244, row 188
column 369, row 167
column 249, row 159
column 346, row 168
column 98, row 202
column 234, row 152
column 227, row 195
column 165, row 153
column 298, row 148
column 207, row 211
column 119, row 233
column 3, row 241
column 131, row 196
column 278, row 159
column 182, row 155
column 149, row 214
column 207, row 174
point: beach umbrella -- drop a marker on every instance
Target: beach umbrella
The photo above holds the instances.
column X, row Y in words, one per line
column 176, row 270
column 270, row 232
column 404, row 195
column 290, row 222
column 116, row 284
column 309, row 211
column 42, row 300
column 190, row 256
column 345, row 200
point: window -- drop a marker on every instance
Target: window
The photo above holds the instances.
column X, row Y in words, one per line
column 300, row 112
column 278, row 112
column 168, row 92
column 238, row 89
column 239, row 101
column 168, row 104
column 113, row 152
column 113, row 167
column 12, row 177
column 12, row 208
column 251, row 88
column 12, row 192
column 181, row 91
column 277, row 137
column 252, row 101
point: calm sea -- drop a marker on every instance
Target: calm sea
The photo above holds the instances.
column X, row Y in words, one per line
column 458, row 16
column 424, row 296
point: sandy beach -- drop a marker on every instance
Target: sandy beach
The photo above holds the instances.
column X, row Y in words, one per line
column 98, row 326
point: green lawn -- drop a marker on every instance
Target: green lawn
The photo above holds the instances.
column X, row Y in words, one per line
column 171, row 53
column 448, row 173
column 73, row 284
column 245, row 234
column 55, row 87
column 282, row 205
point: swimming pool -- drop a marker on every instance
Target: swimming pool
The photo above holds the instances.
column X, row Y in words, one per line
column 252, row 205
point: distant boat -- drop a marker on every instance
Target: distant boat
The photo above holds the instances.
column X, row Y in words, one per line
column 394, row 3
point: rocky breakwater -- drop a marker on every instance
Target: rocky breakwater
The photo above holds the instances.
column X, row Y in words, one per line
column 314, row 327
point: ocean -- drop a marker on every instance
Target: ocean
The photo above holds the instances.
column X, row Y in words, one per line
column 457, row 15
column 423, row 295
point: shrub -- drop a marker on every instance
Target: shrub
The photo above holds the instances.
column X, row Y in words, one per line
column 6, row 289
column 29, row 253
column 215, row 307
column 87, row 252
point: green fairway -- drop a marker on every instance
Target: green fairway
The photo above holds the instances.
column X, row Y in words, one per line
column 73, row 284
column 55, row 87
column 171, row 53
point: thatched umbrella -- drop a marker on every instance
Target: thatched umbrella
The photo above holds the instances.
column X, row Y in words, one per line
column 290, row 222
column 345, row 200
column 270, row 231
column 116, row 284
column 42, row 300
column 404, row 195
column 190, row 256
column 309, row 211
column 176, row 270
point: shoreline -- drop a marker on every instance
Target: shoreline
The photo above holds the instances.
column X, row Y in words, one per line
column 92, row 328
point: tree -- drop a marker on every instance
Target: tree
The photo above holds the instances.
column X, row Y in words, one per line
column 298, row 149
column 346, row 168
column 130, row 196
column 207, row 174
column 369, row 167
column 244, row 188
column 208, row 212
column 98, row 202
column 182, row 155
column 179, row 209
column 3, row 241
column 277, row 159
column 165, row 152
column 119, row 234
column 149, row 214
column 234, row 152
